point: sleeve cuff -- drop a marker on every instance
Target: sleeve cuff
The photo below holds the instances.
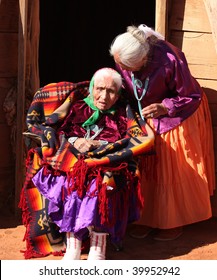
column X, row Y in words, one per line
column 170, row 107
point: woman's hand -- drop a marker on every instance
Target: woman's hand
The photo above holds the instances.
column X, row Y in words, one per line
column 85, row 145
column 154, row 110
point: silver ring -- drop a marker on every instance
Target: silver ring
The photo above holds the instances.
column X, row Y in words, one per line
column 151, row 115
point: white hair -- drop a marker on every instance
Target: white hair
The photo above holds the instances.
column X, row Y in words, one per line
column 106, row 72
column 133, row 45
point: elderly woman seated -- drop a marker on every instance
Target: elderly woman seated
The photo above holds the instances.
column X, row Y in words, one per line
column 93, row 188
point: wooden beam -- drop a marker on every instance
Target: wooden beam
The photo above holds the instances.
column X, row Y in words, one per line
column 211, row 8
column 188, row 15
column 19, row 176
column 161, row 17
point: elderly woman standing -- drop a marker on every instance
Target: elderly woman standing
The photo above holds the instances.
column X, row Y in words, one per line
column 179, row 179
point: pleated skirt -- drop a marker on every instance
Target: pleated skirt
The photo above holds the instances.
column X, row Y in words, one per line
column 178, row 180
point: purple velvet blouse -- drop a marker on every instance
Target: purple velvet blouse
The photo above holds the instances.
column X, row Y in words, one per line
column 115, row 125
column 170, row 82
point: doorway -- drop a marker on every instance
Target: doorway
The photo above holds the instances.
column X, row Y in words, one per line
column 75, row 36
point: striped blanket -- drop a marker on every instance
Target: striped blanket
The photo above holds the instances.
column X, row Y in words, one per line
column 48, row 109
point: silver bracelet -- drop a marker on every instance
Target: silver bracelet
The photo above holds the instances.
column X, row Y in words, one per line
column 103, row 142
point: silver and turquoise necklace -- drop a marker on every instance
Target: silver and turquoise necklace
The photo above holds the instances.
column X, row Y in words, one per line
column 138, row 83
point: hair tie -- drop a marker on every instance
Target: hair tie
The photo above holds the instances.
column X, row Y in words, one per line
column 149, row 32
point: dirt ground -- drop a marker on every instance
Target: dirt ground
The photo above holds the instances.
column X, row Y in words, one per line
column 198, row 242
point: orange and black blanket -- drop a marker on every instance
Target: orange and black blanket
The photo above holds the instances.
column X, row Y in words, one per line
column 48, row 109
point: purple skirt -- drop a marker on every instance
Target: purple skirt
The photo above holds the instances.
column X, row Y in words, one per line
column 74, row 214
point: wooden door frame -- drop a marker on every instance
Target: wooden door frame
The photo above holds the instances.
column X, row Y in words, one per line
column 161, row 17
column 21, row 75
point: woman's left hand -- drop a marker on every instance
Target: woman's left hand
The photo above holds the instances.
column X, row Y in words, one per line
column 84, row 145
column 154, row 110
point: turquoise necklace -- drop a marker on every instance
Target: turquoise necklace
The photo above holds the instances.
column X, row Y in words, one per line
column 138, row 83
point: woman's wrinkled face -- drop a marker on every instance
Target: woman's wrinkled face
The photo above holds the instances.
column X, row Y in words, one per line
column 105, row 93
column 136, row 67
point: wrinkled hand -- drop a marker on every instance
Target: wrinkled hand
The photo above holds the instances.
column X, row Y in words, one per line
column 85, row 145
column 154, row 110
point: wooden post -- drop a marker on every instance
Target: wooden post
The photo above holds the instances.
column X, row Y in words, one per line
column 161, row 17
column 23, row 10
column 211, row 8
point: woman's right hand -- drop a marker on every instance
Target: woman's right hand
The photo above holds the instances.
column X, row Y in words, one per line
column 154, row 110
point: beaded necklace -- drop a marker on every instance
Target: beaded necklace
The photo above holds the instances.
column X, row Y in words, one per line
column 138, row 83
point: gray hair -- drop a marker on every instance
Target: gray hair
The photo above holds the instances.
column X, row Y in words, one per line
column 106, row 72
column 132, row 46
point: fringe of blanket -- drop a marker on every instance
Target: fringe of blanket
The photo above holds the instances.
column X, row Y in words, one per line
column 81, row 174
column 30, row 251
